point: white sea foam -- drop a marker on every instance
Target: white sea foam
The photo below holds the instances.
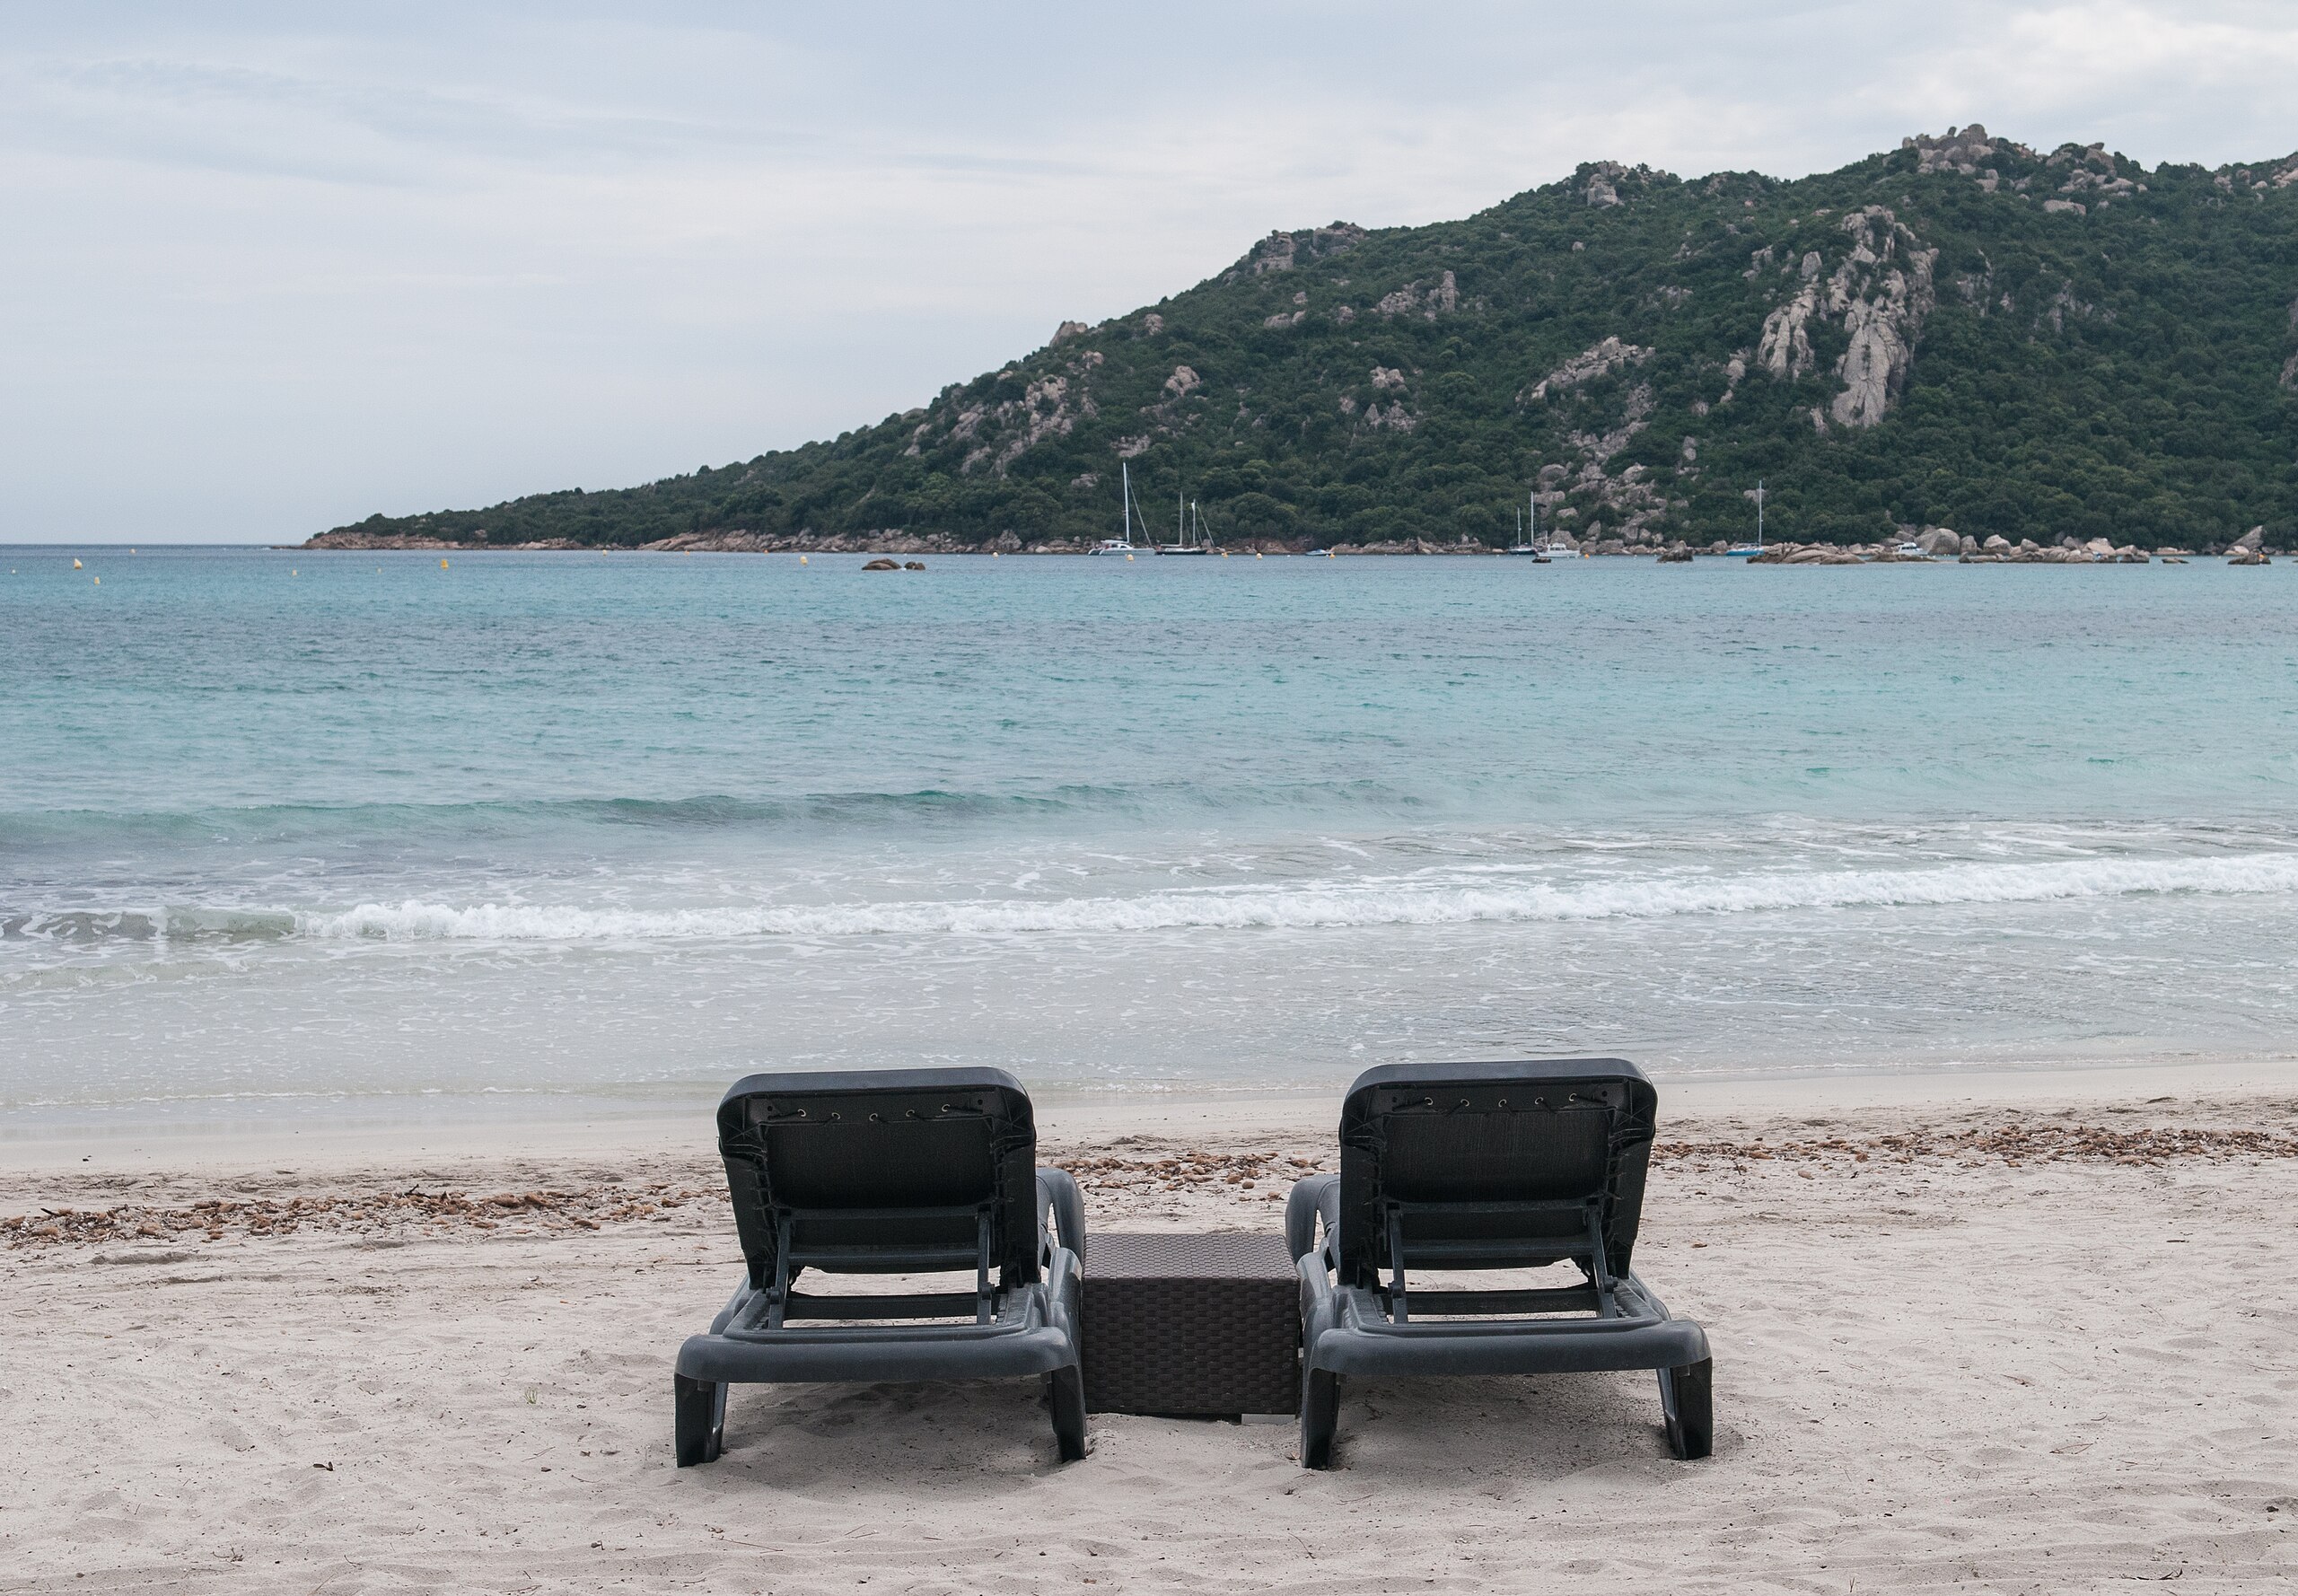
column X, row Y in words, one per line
column 1328, row 903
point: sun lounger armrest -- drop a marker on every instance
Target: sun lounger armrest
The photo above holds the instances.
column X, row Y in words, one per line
column 734, row 1305
column 1058, row 1190
column 1312, row 1196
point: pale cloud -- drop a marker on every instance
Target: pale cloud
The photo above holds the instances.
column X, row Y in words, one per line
column 266, row 273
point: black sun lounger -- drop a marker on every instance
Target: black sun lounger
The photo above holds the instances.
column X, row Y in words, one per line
column 1487, row 1166
column 889, row 1171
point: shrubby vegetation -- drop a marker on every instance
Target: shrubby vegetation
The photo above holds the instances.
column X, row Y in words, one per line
column 2126, row 370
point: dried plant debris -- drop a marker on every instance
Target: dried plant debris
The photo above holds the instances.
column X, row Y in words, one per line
column 1152, row 1173
column 1264, row 1175
column 411, row 1214
column 2015, row 1144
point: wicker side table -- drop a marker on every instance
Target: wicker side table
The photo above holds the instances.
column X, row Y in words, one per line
column 1191, row 1325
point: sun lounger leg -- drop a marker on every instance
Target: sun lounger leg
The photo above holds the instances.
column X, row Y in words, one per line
column 701, row 1423
column 1319, row 1416
column 1686, row 1397
column 1066, row 1393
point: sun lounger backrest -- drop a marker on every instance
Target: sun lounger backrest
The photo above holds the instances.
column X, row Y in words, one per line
column 1493, row 1163
column 856, row 1164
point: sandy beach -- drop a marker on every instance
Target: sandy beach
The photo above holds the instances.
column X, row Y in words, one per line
column 2029, row 1334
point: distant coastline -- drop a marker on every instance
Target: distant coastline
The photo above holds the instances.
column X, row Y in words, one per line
column 1937, row 544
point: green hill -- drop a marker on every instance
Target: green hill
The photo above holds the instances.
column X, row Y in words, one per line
column 1963, row 332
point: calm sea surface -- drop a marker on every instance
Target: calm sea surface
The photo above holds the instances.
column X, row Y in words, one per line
column 292, row 833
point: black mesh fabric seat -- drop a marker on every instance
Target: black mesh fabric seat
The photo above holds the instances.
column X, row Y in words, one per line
column 889, row 1172
column 1514, row 1165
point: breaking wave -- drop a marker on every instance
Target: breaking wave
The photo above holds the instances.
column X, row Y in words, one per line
column 1325, row 904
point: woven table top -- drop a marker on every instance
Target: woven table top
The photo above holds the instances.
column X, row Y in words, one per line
column 1219, row 1255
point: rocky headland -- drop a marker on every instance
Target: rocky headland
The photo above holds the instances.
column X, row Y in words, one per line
column 2043, row 347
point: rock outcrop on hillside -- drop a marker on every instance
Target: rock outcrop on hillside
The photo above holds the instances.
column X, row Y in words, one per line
column 1599, row 359
column 1883, row 293
column 1282, row 252
column 1880, row 291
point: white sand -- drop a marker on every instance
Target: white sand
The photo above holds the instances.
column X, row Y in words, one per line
column 2057, row 1376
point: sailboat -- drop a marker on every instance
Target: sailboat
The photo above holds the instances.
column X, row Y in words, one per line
column 1532, row 546
column 1189, row 533
column 1742, row 550
column 1123, row 542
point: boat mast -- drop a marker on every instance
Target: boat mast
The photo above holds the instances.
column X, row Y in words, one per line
column 1125, row 500
column 1759, row 512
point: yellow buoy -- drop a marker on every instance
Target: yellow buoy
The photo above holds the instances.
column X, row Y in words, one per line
column 76, row 566
column 443, row 564
column 295, row 572
column 801, row 559
column 100, row 582
column 993, row 554
column 1128, row 559
column 1256, row 554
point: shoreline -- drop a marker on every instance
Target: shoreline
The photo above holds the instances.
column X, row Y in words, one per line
column 1997, row 552
column 594, row 1127
column 1780, row 553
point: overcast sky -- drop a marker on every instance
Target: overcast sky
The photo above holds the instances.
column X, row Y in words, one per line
column 270, row 269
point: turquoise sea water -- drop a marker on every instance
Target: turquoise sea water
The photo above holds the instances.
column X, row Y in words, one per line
column 284, row 832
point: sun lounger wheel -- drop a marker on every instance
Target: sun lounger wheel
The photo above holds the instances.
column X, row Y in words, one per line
column 1064, row 1391
column 1319, row 1416
column 1687, row 1398
column 701, row 1423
